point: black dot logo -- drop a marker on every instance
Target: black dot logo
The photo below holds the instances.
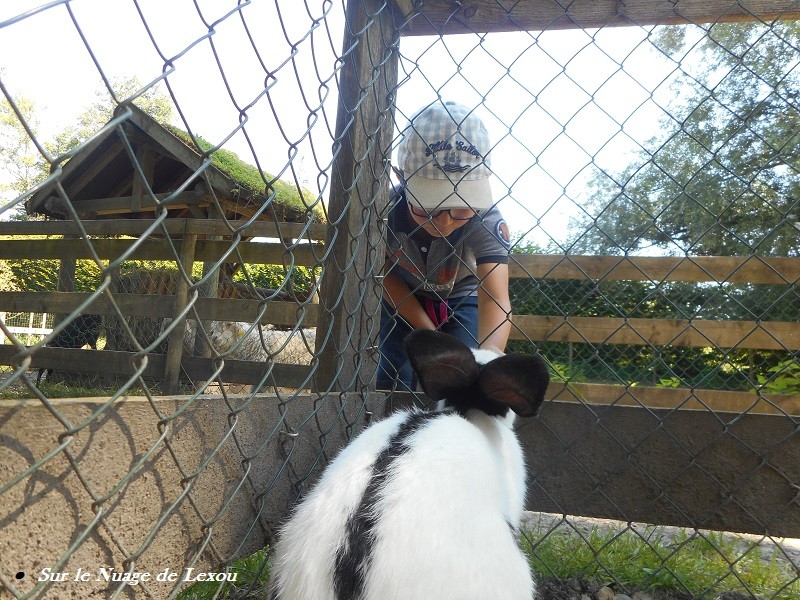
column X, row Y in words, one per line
column 20, row 575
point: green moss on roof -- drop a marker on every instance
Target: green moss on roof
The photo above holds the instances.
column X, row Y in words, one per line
column 286, row 194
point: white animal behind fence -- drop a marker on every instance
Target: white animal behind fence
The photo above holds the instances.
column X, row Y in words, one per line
column 236, row 340
column 244, row 341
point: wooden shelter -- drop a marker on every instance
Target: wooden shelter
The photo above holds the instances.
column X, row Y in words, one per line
column 133, row 171
column 101, row 180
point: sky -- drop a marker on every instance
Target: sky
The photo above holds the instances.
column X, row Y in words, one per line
column 559, row 105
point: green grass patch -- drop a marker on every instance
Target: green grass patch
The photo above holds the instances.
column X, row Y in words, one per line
column 703, row 565
column 287, row 194
column 252, row 578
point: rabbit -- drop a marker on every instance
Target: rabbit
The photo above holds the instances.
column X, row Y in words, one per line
column 423, row 505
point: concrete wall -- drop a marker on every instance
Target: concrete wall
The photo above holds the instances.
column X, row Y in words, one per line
column 233, row 456
column 689, row 468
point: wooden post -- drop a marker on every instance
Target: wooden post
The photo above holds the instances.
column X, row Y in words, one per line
column 147, row 161
column 350, row 289
column 66, row 279
column 112, row 321
column 209, row 289
column 172, row 370
column 66, row 273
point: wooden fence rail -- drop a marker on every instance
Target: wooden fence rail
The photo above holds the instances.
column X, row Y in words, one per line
column 296, row 244
column 717, row 269
column 697, row 333
column 437, row 17
column 281, row 314
column 300, row 245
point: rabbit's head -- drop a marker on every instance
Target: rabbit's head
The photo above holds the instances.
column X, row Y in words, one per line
column 465, row 379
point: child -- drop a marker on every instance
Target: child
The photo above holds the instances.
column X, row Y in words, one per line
column 447, row 245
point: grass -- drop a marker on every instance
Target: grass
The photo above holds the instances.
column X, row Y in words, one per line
column 251, row 581
column 702, row 565
column 59, row 390
column 248, row 176
column 684, row 564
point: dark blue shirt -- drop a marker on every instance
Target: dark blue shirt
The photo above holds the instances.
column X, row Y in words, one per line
column 444, row 267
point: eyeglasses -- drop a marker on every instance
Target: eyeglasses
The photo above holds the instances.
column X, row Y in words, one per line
column 457, row 214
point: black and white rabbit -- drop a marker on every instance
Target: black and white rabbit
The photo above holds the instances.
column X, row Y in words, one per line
column 423, row 505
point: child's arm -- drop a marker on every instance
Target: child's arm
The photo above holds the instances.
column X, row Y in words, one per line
column 494, row 306
column 397, row 293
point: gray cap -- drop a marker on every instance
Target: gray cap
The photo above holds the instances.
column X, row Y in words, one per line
column 444, row 158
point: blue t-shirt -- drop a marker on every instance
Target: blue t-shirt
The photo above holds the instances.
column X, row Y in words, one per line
column 444, row 267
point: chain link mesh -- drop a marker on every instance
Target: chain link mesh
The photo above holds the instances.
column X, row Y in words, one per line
column 192, row 238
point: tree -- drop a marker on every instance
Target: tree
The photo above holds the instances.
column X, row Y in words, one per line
column 21, row 164
column 153, row 101
column 722, row 177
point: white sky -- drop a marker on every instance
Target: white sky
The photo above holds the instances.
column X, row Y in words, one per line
column 556, row 103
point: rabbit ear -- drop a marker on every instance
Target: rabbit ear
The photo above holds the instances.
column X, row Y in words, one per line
column 517, row 381
column 443, row 363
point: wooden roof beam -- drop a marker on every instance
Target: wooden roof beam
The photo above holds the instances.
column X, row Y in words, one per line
column 183, row 153
column 146, row 157
column 107, row 206
column 435, row 17
column 97, row 166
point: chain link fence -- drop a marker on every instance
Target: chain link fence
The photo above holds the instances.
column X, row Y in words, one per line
column 191, row 258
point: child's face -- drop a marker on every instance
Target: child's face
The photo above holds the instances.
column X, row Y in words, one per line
column 441, row 223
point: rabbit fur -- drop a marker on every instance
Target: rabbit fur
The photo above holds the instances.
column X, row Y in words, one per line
column 423, row 505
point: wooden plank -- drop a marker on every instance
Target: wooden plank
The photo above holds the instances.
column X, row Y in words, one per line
column 730, row 269
column 124, row 204
column 71, row 165
column 146, row 157
column 208, row 289
column 249, row 372
column 595, row 330
column 207, row 250
column 308, row 255
column 676, row 398
column 90, row 172
column 279, row 313
column 435, row 17
column 174, row 227
column 188, row 156
column 104, row 362
column 697, row 469
column 698, row 333
column 242, row 211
